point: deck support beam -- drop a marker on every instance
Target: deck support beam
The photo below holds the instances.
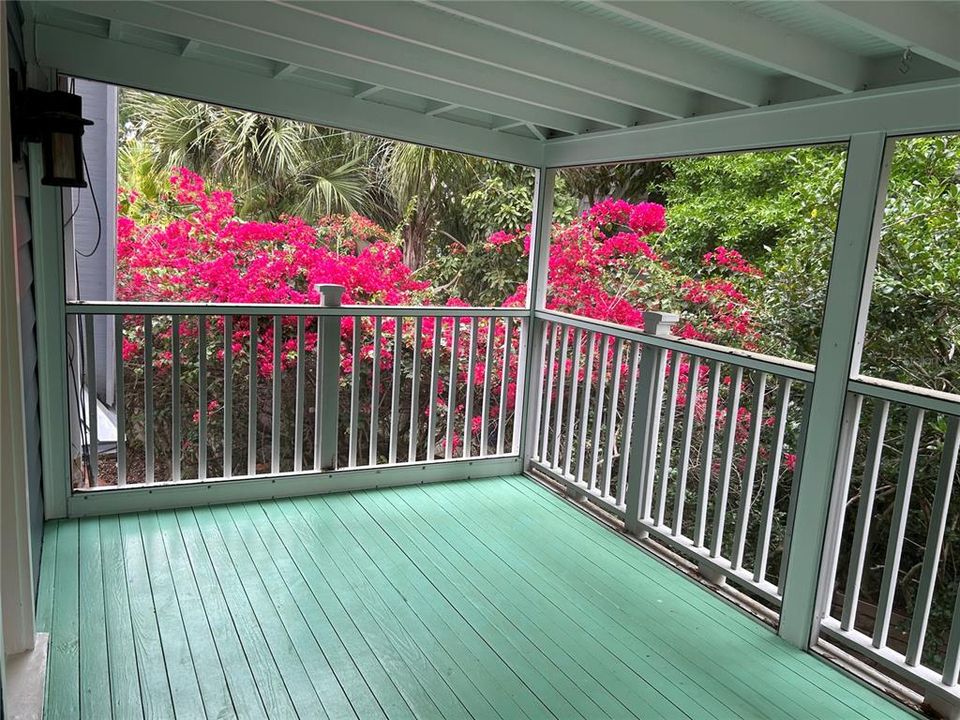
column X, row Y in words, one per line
column 811, row 551
column 531, row 355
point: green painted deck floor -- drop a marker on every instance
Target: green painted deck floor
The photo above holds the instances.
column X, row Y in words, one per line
column 482, row 599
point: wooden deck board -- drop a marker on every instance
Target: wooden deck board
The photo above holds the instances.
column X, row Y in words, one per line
column 488, row 599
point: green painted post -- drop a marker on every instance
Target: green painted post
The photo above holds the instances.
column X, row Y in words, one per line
column 814, row 527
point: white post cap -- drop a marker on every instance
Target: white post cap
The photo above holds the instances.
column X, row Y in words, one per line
column 659, row 323
column 331, row 294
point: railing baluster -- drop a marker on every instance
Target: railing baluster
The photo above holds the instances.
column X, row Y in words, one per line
column 375, row 391
column 415, row 390
column 561, row 392
column 951, row 662
column 598, row 412
column 395, row 389
column 706, row 452
column 202, row 396
column 861, row 530
column 524, row 328
column 119, row 403
column 434, row 391
column 689, row 420
column 487, row 389
column 543, row 441
column 301, row 394
column 934, row 545
column 252, row 398
column 726, row 462
column 452, row 384
column 898, row 526
column 353, row 451
column 627, row 428
column 90, row 380
column 795, row 473
column 148, row 440
column 753, row 449
column 585, row 407
column 572, row 402
column 275, row 412
column 668, row 437
column 318, row 392
column 850, row 430
column 612, row 422
column 176, row 411
column 505, row 386
column 772, row 480
column 468, row 402
column 227, row 396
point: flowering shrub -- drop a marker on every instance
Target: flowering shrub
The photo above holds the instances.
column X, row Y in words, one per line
column 191, row 246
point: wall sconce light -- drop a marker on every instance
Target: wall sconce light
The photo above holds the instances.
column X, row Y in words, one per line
column 55, row 120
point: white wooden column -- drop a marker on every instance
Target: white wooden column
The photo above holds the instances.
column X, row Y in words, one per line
column 16, row 577
column 814, row 531
column 528, row 398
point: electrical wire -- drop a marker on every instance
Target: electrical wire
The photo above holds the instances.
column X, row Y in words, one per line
column 96, row 208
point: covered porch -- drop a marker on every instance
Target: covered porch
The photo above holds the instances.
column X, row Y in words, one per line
column 490, row 598
column 506, row 511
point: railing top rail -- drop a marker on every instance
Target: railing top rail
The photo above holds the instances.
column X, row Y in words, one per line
column 792, row 369
column 901, row 393
column 186, row 308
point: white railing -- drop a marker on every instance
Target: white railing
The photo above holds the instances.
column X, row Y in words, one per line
column 215, row 391
column 895, row 477
column 638, row 423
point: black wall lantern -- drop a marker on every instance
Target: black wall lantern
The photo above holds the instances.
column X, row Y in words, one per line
column 55, row 120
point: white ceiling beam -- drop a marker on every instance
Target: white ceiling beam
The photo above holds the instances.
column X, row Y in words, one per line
column 926, row 29
column 367, row 92
column 750, row 37
column 189, row 47
column 215, row 33
column 283, row 24
column 536, row 131
column 114, row 30
column 442, row 108
column 572, row 33
column 119, row 63
column 446, row 33
column 906, row 110
column 284, row 71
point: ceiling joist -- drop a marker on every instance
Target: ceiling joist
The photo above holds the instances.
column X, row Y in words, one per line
column 924, row 28
column 216, row 33
column 584, row 36
column 286, row 25
column 750, row 37
column 451, row 35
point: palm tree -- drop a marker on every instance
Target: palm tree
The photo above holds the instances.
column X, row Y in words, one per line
column 419, row 190
column 276, row 165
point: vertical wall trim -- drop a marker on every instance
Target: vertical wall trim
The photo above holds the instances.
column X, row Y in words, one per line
column 841, row 344
column 532, row 336
column 16, row 566
column 48, row 273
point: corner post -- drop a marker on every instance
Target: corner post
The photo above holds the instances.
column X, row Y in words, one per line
column 642, row 457
column 811, row 552
column 530, row 359
column 329, row 377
